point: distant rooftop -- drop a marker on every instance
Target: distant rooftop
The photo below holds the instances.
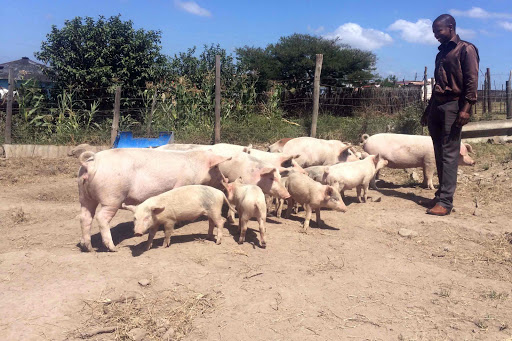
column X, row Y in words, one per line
column 24, row 68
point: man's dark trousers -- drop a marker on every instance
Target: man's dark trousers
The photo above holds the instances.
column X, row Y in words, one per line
column 446, row 138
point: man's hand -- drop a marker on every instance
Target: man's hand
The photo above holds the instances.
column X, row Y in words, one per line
column 463, row 118
column 424, row 119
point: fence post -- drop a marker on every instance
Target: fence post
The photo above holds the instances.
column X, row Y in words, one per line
column 425, row 86
column 8, row 117
column 489, row 104
column 316, row 92
column 217, row 99
column 484, row 93
column 115, row 121
column 509, row 101
column 150, row 118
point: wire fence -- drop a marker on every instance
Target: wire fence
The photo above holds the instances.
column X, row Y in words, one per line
column 72, row 115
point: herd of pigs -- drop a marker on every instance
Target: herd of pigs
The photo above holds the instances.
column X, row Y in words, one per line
column 181, row 182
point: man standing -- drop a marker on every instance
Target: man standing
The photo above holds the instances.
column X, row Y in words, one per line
column 455, row 91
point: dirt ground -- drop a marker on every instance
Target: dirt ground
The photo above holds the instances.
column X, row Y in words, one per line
column 356, row 278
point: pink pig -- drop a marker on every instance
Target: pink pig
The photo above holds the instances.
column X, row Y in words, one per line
column 130, row 176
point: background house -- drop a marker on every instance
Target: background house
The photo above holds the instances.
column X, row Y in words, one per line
column 23, row 69
column 417, row 84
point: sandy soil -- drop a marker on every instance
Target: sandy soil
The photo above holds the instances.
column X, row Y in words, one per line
column 354, row 279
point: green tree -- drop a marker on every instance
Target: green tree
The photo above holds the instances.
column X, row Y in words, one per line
column 390, row 82
column 187, row 64
column 292, row 60
column 93, row 56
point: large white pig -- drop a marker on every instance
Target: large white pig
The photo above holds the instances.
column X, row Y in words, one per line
column 130, row 176
column 313, row 196
column 318, row 152
column 169, row 208
column 411, row 151
column 357, row 174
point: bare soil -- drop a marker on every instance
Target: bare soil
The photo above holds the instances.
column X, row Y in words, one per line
column 355, row 278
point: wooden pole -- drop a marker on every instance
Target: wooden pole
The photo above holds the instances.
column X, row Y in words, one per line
column 509, row 101
column 425, row 85
column 150, row 118
column 316, row 93
column 489, row 103
column 217, row 99
column 8, row 118
column 484, row 93
column 117, row 113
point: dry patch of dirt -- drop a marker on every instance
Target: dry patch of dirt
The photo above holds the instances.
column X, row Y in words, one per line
column 355, row 278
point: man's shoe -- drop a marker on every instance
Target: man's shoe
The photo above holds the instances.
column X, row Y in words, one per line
column 438, row 210
column 430, row 203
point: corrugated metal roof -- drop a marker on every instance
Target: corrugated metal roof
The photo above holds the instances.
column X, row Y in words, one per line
column 24, row 68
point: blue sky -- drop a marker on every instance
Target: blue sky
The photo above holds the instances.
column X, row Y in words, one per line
column 398, row 32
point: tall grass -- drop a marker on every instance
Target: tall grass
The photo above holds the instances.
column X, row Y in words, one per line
column 188, row 109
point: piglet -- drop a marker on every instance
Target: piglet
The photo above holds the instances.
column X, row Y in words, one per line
column 180, row 204
column 357, row 174
column 249, row 201
column 312, row 195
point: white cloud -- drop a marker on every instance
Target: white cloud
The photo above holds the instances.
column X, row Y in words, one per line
column 479, row 13
column 506, row 25
column 194, row 8
column 361, row 38
column 418, row 32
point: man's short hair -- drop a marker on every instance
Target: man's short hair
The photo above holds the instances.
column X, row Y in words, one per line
column 446, row 19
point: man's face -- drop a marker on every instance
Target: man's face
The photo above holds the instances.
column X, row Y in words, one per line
column 442, row 32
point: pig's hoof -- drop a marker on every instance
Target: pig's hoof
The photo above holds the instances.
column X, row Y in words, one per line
column 112, row 249
column 263, row 245
column 218, row 241
column 86, row 247
column 240, row 241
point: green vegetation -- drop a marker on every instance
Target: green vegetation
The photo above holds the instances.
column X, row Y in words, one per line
column 292, row 60
column 96, row 56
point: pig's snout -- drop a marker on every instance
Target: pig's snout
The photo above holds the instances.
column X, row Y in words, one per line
column 342, row 208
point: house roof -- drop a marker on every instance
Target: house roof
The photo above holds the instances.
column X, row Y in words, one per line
column 24, row 68
column 417, row 83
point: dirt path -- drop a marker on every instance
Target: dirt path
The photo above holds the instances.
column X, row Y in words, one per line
column 354, row 279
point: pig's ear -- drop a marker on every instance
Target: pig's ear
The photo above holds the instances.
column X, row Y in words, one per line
column 286, row 157
column 219, row 160
column 267, row 171
column 345, row 148
column 328, row 191
column 157, row 209
column 468, row 147
column 128, row 207
column 376, row 159
column 247, row 149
